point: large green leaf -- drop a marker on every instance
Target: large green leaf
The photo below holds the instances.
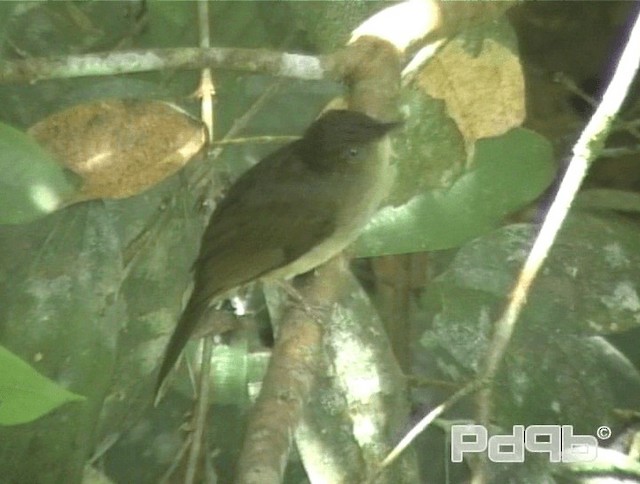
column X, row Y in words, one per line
column 60, row 310
column 32, row 183
column 588, row 286
column 508, row 172
column 25, row 394
column 558, row 368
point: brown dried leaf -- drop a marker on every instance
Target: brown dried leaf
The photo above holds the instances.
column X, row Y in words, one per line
column 484, row 94
column 121, row 147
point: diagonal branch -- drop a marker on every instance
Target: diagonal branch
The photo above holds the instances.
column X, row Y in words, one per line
column 586, row 149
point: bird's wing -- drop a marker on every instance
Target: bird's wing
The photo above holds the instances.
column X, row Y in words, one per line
column 255, row 243
column 245, row 238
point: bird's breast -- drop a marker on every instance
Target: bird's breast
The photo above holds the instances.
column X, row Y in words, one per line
column 360, row 193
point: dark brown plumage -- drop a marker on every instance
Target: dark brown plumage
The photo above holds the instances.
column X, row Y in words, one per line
column 292, row 211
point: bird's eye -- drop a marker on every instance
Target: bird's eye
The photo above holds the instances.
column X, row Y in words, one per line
column 353, row 152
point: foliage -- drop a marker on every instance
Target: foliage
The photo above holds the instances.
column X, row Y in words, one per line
column 27, row 395
column 508, row 172
column 33, row 184
column 94, row 289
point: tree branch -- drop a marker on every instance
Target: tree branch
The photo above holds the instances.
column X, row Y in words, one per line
column 306, row 67
column 586, row 149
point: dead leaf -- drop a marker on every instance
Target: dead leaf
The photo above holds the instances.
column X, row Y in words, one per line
column 484, row 94
column 121, row 147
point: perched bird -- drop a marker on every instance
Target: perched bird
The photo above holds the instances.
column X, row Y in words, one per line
column 295, row 209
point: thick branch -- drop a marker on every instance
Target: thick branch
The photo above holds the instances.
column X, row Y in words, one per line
column 287, row 385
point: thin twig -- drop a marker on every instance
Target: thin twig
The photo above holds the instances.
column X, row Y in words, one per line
column 206, row 91
column 255, row 140
column 203, row 177
column 620, row 151
column 424, row 423
column 571, row 86
column 166, row 477
column 200, row 415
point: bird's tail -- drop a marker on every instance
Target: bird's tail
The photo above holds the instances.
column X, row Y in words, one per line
column 184, row 329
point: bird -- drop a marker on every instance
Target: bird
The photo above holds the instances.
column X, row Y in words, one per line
column 292, row 211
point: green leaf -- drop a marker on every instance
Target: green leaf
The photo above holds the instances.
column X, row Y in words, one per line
column 588, row 287
column 25, row 394
column 168, row 24
column 6, row 9
column 32, row 183
column 508, row 172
